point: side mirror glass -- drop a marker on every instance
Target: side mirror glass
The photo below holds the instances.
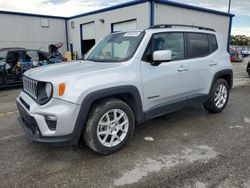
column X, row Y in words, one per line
column 162, row 56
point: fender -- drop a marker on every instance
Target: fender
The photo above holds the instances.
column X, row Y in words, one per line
column 135, row 99
column 226, row 72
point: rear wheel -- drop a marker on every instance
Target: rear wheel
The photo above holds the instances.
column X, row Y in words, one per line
column 109, row 127
column 218, row 97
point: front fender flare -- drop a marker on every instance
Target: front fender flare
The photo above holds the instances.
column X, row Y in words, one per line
column 109, row 92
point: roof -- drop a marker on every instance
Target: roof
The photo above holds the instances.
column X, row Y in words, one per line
column 30, row 14
column 192, row 7
column 127, row 4
column 12, row 49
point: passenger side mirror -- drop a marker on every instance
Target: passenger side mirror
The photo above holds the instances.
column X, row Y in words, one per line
column 161, row 56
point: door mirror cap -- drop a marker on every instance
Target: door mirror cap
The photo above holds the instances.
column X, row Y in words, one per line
column 162, row 56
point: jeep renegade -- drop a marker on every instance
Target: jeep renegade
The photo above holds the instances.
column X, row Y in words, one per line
column 126, row 79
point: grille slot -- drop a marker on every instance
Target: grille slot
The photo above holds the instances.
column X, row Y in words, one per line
column 30, row 87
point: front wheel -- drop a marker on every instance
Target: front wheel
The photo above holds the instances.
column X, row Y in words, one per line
column 109, row 127
column 218, row 97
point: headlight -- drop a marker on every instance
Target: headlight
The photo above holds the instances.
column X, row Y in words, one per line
column 41, row 92
column 48, row 89
column 44, row 92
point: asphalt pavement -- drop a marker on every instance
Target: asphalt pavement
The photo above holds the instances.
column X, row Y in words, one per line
column 188, row 148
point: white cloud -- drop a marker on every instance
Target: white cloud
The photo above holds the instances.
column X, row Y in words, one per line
column 51, row 7
column 241, row 31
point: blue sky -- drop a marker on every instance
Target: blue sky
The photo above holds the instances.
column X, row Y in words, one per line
column 241, row 8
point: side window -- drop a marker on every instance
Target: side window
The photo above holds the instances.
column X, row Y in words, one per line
column 167, row 41
column 198, row 45
column 31, row 55
column 213, row 43
column 12, row 57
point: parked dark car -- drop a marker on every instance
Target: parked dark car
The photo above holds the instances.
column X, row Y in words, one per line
column 15, row 61
column 248, row 68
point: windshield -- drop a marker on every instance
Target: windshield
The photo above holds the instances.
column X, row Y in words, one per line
column 3, row 55
column 116, row 47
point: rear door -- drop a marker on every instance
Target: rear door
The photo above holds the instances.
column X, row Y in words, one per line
column 198, row 62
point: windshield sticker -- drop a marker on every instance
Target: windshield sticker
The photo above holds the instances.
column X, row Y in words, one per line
column 132, row 34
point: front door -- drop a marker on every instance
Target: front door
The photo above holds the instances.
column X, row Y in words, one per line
column 166, row 83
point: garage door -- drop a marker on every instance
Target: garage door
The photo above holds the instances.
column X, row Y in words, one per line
column 88, row 31
column 124, row 26
column 88, row 37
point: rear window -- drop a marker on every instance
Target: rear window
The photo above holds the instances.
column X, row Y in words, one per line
column 198, row 45
column 213, row 42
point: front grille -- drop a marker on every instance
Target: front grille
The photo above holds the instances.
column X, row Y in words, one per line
column 30, row 87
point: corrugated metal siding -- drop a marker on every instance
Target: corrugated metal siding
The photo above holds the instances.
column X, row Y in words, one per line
column 26, row 31
column 165, row 14
column 140, row 12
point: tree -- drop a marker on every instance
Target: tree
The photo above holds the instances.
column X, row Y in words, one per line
column 240, row 40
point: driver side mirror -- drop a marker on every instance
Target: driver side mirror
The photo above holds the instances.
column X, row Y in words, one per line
column 161, row 56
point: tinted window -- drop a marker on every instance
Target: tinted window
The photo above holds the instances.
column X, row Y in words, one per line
column 167, row 41
column 213, row 43
column 32, row 54
column 3, row 55
column 12, row 57
column 198, row 45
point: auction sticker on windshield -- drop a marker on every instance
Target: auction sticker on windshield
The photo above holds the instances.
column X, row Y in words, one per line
column 132, row 34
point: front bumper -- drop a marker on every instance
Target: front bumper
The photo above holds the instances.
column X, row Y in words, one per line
column 32, row 118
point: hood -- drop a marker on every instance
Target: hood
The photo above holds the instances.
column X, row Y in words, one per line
column 62, row 70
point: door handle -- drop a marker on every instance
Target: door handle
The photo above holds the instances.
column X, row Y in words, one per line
column 212, row 63
column 182, row 69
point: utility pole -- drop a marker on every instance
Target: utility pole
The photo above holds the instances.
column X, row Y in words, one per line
column 229, row 6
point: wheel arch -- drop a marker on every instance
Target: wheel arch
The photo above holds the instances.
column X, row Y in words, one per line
column 128, row 94
column 226, row 75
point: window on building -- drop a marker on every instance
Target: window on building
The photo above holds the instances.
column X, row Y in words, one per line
column 198, row 45
column 44, row 23
column 72, row 24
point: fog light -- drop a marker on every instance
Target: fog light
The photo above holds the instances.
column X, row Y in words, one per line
column 51, row 118
column 51, row 122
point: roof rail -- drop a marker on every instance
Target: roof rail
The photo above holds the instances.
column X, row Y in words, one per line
column 179, row 25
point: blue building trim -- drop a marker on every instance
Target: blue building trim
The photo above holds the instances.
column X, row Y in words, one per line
column 66, row 33
column 229, row 33
column 81, row 39
column 136, row 2
column 171, row 3
column 29, row 14
column 152, row 12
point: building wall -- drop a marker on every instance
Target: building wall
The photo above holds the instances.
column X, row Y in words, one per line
column 26, row 31
column 141, row 12
column 165, row 14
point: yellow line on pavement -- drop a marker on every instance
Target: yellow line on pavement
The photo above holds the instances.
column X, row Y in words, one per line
column 3, row 114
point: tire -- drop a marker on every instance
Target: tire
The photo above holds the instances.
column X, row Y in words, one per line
column 98, row 123
column 213, row 105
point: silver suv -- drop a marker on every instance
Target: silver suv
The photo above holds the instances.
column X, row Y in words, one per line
column 126, row 79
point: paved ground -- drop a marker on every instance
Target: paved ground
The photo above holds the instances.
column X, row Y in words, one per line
column 188, row 148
